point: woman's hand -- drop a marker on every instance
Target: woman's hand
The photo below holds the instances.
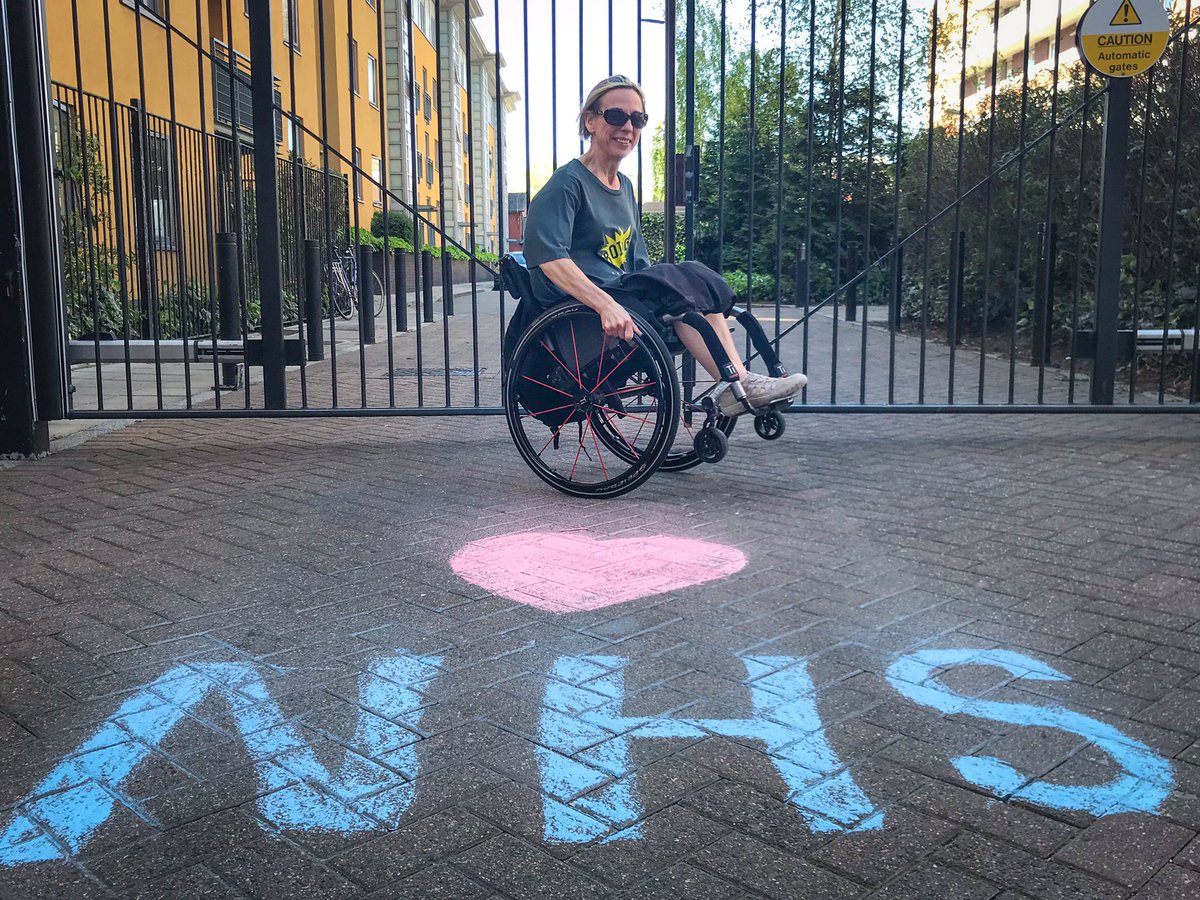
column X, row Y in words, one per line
column 616, row 321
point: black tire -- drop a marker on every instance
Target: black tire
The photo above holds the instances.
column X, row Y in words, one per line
column 378, row 297
column 769, row 425
column 567, row 380
column 711, row 445
column 340, row 300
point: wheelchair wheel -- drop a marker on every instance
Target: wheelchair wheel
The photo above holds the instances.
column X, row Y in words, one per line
column 711, row 445
column 593, row 417
column 694, row 384
column 769, row 425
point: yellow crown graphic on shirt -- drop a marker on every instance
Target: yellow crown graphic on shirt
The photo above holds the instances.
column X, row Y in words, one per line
column 616, row 247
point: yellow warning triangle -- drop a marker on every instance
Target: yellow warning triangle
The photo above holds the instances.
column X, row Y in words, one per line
column 1126, row 15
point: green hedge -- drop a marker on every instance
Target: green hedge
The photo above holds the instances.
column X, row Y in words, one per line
column 367, row 239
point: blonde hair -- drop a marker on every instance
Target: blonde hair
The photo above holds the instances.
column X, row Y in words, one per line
column 612, row 83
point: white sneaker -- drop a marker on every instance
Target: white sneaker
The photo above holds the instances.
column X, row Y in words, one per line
column 761, row 391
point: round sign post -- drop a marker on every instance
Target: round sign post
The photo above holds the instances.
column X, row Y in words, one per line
column 1118, row 39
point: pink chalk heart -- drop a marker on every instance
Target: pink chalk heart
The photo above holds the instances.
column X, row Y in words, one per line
column 565, row 572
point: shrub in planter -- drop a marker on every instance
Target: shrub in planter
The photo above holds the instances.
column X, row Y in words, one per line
column 399, row 225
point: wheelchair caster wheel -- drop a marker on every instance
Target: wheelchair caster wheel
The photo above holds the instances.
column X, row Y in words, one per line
column 769, row 425
column 711, row 445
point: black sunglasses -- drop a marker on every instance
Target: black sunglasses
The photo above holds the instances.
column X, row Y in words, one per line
column 618, row 117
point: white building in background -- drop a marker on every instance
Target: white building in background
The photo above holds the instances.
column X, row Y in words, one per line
column 435, row 85
column 1040, row 18
column 1006, row 41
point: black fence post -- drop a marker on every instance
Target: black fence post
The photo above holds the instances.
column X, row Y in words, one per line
column 427, row 285
column 34, row 374
column 958, row 249
column 401, row 283
column 896, row 286
column 266, row 203
column 229, row 301
column 801, row 293
column 852, row 290
column 1043, row 295
column 448, row 283
column 314, row 299
column 366, row 294
column 1108, row 247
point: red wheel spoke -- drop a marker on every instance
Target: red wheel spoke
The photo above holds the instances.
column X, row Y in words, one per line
column 621, row 435
column 549, row 386
column 579, row 450
column 600, row 379
column 544, row 411
column 575, row 347
column 554, row 356
column 626, row 390
column 599, row 455
column 609, row 409
column 600, row 363
column 557, row 432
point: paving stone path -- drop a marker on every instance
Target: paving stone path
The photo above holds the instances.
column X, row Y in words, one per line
column 961, row 659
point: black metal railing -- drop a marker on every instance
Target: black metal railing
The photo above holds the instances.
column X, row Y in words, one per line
column 909, row 198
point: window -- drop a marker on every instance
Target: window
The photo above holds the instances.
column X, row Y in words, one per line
column 428, row 161
column 295, row 136
column 372, row 75
column 358, row 185
column 160, row 177
column 155, row 8
column 377, row 177
column 291, row 24
column 420, row 166
column 354, row 65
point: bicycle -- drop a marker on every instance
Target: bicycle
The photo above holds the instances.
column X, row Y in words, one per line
column 343, row 293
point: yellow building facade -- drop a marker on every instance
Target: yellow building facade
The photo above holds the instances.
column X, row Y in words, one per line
column 324, row 56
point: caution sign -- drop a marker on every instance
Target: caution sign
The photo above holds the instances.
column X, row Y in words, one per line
column 1123, row 38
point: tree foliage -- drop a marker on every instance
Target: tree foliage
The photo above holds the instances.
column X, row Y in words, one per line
column 855, row 171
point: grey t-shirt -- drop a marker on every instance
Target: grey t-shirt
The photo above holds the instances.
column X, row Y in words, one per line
column 575, row 216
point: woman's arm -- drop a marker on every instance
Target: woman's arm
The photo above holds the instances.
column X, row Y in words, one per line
column 614, row 318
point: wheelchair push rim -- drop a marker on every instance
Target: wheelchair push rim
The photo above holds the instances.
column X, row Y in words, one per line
column 564, row 400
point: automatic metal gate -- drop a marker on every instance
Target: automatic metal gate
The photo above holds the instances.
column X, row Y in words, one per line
column 289, row 207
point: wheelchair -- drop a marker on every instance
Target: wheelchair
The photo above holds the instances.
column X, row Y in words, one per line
column 595, row 416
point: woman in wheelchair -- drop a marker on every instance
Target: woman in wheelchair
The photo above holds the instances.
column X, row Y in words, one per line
column 583, row 242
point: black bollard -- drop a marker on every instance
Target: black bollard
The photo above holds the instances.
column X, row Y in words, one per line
column 314, row 314
column 229, row 301
column 448, row 283
column 427, row 285
column 401, row 293
column 366, row 294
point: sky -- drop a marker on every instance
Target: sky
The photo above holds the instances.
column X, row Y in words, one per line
column 547, row 144
column 602, row 35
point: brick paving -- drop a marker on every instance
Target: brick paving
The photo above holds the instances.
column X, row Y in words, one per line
column 276, row 570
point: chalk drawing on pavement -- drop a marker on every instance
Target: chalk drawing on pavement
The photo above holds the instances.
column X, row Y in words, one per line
column 569, row 571
column 58, row 817
column 1147, row 778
